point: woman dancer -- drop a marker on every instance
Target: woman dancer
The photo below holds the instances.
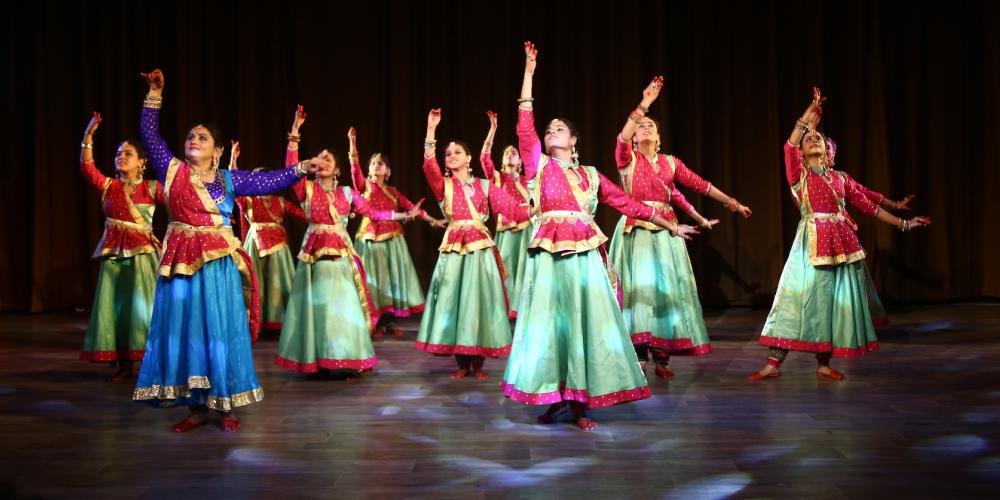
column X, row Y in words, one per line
column 128, row 252
column 659, row 294
column 821, row 304
column 392, row 277
column 511, row 237
column 570, row 343
column 330, row 313
column 467, row 305
column 198, row 349
column 264, row 239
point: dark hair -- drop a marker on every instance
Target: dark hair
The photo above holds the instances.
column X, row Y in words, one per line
column 139, row 150
column 212, row 131
column 464, row 146
column 383, row 156
column 821, row 135
column 573, row 132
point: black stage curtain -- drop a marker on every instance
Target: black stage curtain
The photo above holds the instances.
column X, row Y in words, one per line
column 913, row 103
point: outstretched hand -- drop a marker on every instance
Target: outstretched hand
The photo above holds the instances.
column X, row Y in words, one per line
column 530, row 57
column 95, row 121
column 434, row 118
column 652, row 91
column 234, row 154
column 416, row 210
column 155, row 80
column 919, row 221
column 299, row 118
column 493, row 119
column 685, row 231
column 904, row 204
column 815, row 111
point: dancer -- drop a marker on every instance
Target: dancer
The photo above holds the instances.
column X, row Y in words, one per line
column 820, row 305
column 511, row 237
column 570, row 342
column 128, row 252
column 467, row 305
column 263, row 232
column 879, row 316
column 392, row 277
column 330, row 313
column 198, row 349
column 659, row 295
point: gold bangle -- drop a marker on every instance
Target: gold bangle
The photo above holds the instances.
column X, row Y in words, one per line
column 87, row 145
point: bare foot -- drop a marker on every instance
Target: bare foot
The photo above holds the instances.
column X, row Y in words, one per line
column 459, row 373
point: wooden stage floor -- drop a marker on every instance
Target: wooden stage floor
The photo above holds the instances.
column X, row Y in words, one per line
column 918, row 419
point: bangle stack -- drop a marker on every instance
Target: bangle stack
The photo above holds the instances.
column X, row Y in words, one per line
column 294, row 137
column 803, row 126
column 152, row 102
column 732, row 204
column 904, row 225
column 430, row 143
column 87, row 145
column 300, row 170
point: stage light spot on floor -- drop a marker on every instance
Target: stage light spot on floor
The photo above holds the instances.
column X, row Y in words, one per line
column 711, row 488
column 410, row 391
column 260, row 458
column 661, row 445
column 419, row 438
column 945, row 448
column 387, row 410
column 933, row 326
column 815, row 462
column 986, row 468
column 983, row 415
column 494, row 474
column 472, row 398
column 430, row 414
column 764, row 452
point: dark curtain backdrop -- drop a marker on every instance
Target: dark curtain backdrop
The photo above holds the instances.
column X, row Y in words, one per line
column 913, row 104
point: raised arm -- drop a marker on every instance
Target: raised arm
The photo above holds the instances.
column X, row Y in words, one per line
column 431, row 168
column 158, row 153
column 528, row 144
column 810, row 118
column 649, row 95
column 87, row 167
column 358, row 179
column 292, row 150
column 484, row 156
column 234, row 154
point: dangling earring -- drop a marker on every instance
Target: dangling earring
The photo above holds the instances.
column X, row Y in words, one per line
column 215, row 164
column 657, row 146
column 575, row 156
